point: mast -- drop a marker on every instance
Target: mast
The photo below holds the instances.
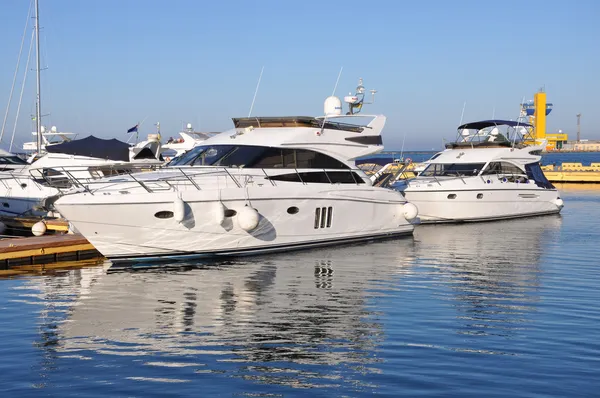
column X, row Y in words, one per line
column 38, row 109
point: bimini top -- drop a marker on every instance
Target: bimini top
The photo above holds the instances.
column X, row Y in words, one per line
column 487, row 134
column 93, row 147
column 293, row 121
column 489, row 123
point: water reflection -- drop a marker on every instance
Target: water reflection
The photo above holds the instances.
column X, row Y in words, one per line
column 305, row 319
column 265, row 318
column 491, row 269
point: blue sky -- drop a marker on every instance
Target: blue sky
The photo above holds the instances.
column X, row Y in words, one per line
column 112, row 63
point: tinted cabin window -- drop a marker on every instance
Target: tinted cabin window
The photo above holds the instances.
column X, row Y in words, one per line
column 256, row 157
column 502, row 168
column 11, row 160
column 452, row 169
column 321, row 177
column 296, row 158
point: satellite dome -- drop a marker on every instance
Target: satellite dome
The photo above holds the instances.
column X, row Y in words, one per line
column 332, row 106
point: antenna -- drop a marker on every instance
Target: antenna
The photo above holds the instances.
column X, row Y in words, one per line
column 517, row 126
column 462, row 113
column 402, row 150
column 337, row 81
column 355, row 102
column 332, row 94
column 256, row 91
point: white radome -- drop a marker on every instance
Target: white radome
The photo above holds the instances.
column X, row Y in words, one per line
column 332, row 106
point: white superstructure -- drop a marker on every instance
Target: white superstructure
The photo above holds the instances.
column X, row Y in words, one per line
column 485, row 175
column 188, row 139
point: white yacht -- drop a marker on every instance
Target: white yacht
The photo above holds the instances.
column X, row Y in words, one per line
column 270, row 184
column 187, row 140
column 19, row 193
column 484, row 175
column 29, row 189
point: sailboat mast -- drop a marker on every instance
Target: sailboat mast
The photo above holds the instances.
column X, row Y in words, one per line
column 38, row 110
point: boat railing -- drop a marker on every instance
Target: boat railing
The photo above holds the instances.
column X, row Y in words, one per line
column 69, row 178
column 20, row 178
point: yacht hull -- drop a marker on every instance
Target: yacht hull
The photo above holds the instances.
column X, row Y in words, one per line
column 21, row 195
column 131, row 227
column 437, row 206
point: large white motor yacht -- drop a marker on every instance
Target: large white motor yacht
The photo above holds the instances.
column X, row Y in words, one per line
column 484, row 175
column 270, row 184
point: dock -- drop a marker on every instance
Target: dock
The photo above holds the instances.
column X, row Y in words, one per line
column 573, row 173
column 24, row 224
column 45, row 249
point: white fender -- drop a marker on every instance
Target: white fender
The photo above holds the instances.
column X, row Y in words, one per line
column 559, row 203
column 410, row 211
column 39, row 228
column 178, row 209
column 248, row 218
column 219, row 213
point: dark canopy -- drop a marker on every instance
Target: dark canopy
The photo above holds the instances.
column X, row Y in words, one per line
column 489, row 123
column 93, row 147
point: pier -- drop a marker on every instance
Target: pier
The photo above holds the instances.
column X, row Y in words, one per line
column 44, row 250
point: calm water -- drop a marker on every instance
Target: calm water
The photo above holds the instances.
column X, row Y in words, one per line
column 486, row 310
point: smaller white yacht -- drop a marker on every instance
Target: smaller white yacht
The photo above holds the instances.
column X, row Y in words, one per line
column 19, row 193
column 48, row 138
column 485, row 175
column 187, row 140
column 29, row 189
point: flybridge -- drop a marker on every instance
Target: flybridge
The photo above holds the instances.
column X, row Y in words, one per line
column 295, row 121
column 487, row 134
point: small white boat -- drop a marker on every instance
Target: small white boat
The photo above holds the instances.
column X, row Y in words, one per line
column 270, row 184
column 188, row 139
column 484, row 175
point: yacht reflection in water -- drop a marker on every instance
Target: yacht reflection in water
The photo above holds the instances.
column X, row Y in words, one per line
column 266, row 318
column 303, row 308
column 491, row 269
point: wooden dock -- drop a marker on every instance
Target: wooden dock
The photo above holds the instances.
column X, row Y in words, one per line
column 24, row 224
column 45, row 249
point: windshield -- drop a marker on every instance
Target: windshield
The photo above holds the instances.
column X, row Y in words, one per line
column 251, row 156
column 452, row 169
column 11, row 160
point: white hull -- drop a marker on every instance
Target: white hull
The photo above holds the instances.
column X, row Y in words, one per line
column 483, row 203
column 131, row 231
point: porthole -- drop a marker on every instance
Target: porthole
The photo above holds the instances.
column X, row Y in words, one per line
column 452, row 196
column 164, row 214
column 5, row 204
column 479, row 196
column 293, row 210
column 230, row 212
column 23, row 185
